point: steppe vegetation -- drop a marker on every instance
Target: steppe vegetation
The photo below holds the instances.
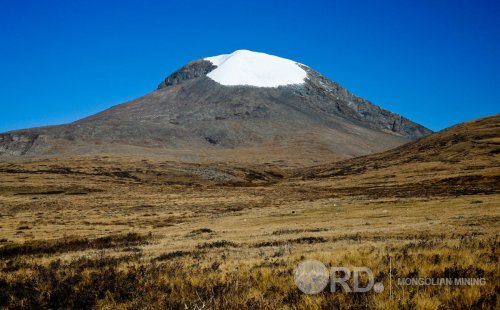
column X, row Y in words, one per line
column 127, row 233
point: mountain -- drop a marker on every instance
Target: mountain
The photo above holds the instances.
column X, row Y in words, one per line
column 245, row 106
column 461, row 160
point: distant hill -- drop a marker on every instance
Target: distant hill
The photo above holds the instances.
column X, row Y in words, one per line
column 463, row 159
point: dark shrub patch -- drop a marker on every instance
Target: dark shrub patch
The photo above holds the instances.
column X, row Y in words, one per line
column 67, row 245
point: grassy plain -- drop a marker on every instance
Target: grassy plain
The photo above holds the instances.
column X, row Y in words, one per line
column 122, row 233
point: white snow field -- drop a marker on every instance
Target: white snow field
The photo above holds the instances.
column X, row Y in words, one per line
column 245, row 67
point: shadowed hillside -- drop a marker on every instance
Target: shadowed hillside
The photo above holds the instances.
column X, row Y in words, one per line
column 462, row 159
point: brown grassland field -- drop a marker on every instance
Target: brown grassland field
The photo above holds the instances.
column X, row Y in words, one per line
column 123, row 233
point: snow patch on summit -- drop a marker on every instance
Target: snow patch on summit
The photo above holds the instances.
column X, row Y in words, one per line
column 244, row 67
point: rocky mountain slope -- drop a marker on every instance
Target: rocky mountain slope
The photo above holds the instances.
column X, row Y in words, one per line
column 245, row 106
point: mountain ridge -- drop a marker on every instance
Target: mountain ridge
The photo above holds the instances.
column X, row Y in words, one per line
column 191, row 114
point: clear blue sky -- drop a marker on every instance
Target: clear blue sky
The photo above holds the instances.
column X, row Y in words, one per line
column 436, row 62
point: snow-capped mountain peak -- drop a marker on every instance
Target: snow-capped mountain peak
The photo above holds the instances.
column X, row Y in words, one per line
column 194, row 112
column 244, row 67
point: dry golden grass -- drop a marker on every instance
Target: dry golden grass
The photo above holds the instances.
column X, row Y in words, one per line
column 117, row 233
